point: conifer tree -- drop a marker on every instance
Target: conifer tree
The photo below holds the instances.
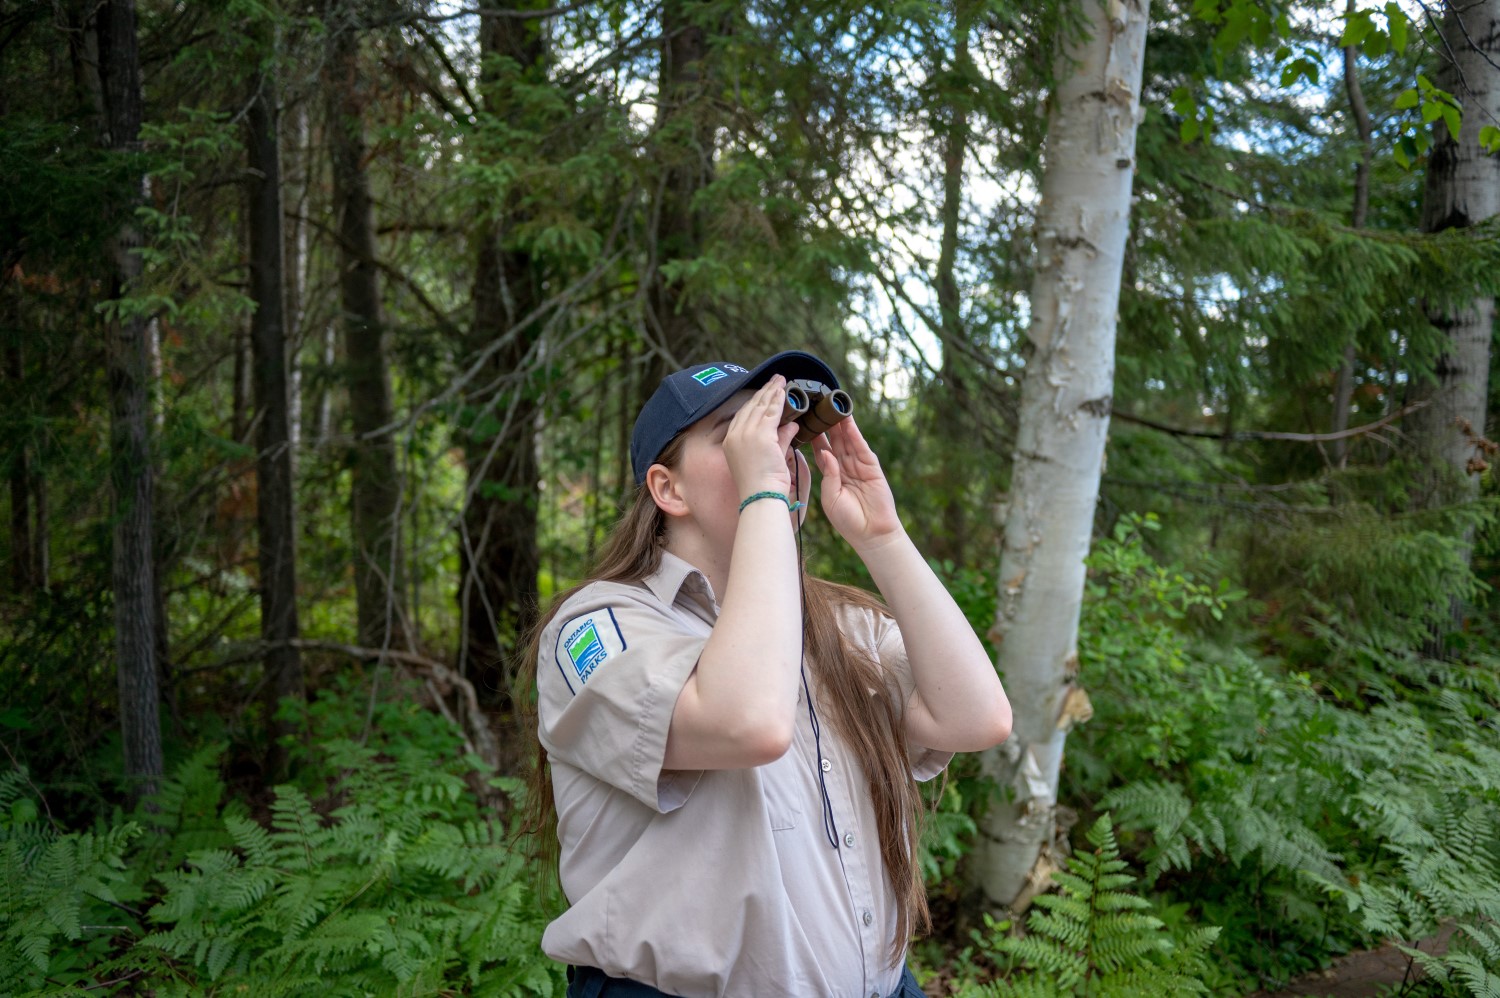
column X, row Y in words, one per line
column 137, row 613
column 376, row 488
column 275, row 510
column 498, row 552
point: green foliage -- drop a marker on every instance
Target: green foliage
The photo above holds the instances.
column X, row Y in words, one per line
column 1302, row 821
column 1095, row 937
column 59, row 891
column 387, row 882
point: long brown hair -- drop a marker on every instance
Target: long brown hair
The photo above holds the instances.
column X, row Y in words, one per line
column 854, row 693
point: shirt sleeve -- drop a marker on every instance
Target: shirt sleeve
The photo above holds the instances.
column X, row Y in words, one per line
column 926, row 763
column 610, row 667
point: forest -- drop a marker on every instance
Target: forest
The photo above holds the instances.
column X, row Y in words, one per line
column 324, row 326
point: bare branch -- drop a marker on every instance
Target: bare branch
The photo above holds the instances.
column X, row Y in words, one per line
column 1237, row 435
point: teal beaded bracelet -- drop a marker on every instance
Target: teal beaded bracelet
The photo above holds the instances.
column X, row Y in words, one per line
column 766, row 495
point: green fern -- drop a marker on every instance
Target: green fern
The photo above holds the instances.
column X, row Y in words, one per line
column 1096, row 937
column 58, row 892
column 378, row 876
column 404, row 888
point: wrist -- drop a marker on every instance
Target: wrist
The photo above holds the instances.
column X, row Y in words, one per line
column 878, row 546
column 765, row 495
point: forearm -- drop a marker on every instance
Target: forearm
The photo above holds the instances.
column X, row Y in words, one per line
column 739, row 706
column 959, row 704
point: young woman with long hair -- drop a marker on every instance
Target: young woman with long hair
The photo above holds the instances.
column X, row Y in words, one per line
column 729, row 748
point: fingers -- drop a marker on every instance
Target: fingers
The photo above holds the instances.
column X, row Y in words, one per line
column 801, row 474
column 766, row 402
column 784, row 435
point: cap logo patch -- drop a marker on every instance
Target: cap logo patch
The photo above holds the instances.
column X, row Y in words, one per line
column 709, row 375
column 585, row 643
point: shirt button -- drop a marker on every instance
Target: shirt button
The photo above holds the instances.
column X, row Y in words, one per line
column 869, row 918
column 848, row 838
column 827, row 766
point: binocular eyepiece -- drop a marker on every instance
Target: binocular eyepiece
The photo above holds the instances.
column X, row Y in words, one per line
column 814, row 407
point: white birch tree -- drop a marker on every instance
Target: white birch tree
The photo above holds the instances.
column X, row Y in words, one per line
column 1065, row 406
column 1462, row 190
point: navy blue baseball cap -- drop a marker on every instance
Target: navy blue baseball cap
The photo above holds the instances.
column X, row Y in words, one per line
column 688, row 395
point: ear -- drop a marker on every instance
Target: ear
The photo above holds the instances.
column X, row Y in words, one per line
column 665, row 489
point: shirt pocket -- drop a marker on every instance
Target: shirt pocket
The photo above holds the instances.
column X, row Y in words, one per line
column 783, row 789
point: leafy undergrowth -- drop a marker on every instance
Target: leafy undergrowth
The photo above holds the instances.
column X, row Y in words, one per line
column 1308, row 812
column 375, row 874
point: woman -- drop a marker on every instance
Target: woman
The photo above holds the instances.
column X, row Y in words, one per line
column 734, row 747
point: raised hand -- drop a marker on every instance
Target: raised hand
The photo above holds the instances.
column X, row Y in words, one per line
column 856, row 496
column 755, row 445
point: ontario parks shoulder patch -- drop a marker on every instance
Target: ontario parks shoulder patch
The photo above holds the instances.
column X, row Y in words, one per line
column 586, row 642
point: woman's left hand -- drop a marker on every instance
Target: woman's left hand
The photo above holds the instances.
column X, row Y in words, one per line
column 856, row 496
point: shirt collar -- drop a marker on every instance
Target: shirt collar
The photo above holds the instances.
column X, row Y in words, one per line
column 674, row 575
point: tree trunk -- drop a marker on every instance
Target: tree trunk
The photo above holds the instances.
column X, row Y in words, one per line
column 1463, row 190
column 328, row 355
column 274, row 510
column 1065, row 404
column 376, row 487
column 22, row 541
column 498, row 548
column 240, row 402
column 1343, row 393
column 684, row 143
column 296, row 274
column 133, row 574
column 951, row 401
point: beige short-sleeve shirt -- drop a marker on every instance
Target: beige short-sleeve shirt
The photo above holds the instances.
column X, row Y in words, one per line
column 716, row 884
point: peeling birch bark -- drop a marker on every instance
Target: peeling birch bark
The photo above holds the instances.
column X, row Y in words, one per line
column 1065, row 404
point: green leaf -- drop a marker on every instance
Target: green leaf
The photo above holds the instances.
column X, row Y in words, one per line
column 1190, row 129
column 1454, row 119
column 1397, row 25
column 1407, row 98
column 1358, row 26
column 1431, row 110
column 1489, row 138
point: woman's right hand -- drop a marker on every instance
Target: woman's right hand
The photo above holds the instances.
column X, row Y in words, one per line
column 757, row 443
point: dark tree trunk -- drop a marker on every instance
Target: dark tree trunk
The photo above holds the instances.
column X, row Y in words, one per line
column 240, row 403
column 952, row 401
column 498, row 547
column 1343, row 394
column 23, row 567
column 376, row 486
column 137, row 624
column 274, row 516
column 684, row 145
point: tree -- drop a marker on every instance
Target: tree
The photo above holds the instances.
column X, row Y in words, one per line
column 1462, row 191
column 1343, row 392
column 498, row 555
column 375, row 503
column 1066, row 396
column 275, row 514
column 685, row 140
column 136, row 609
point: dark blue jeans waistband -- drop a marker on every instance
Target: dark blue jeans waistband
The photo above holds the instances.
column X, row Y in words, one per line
column 590, row 982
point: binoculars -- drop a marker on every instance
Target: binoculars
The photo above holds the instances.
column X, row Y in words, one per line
column 814, row 407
